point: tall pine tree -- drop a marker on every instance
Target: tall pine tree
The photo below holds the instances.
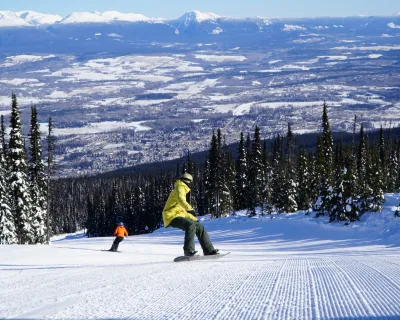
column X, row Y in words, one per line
column 325, row 166
column 266, row 189
column 241, row 176
column 304, row 182
column 291, row 185
column 7, row 227
column 50, row 149
column 37, row 181
column 18, row 180
column 254, row 191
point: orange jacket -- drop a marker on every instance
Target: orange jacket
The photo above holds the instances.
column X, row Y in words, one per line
column 120, row 231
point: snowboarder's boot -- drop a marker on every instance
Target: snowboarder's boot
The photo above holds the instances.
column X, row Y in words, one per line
column 211, row 253
column 189, row 253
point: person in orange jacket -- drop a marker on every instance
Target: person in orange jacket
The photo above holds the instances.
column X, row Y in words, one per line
column 120, row 232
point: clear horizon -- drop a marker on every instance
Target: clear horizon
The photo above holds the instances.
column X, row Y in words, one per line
column 174, row 8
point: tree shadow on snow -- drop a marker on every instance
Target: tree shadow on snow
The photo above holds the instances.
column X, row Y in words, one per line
column 71, row 237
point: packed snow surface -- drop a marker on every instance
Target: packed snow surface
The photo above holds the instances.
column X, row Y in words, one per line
column 280, row 267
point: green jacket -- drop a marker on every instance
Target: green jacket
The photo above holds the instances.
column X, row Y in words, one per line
column 176, row 205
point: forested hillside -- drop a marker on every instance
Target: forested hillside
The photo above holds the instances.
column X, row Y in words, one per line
column 339, row 179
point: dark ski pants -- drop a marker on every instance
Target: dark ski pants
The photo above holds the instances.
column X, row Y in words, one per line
column 192, row 228
column 115, row 244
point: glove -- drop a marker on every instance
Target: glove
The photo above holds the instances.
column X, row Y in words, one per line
column 192, row 212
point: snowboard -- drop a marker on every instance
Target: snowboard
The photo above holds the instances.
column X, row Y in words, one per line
column 198, row 257
column 111, row 251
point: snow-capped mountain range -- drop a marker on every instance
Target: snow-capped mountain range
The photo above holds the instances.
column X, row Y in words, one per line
column 105, row 17
column 27, row 27
column 27, row 18
column 31, row 18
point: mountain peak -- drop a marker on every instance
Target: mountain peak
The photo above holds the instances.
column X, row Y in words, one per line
column 12, row 19
column 198, row 16
column 115, row 15
column 36, row 18
column 107, row 16
column 82, row 17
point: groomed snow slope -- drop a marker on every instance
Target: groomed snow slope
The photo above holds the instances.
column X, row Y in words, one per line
column 280, row 267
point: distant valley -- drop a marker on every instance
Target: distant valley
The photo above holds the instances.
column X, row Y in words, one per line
column 124, row 90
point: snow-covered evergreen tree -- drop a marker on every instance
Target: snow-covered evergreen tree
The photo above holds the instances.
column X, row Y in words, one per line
column 278, row 175
column 194, row 188
column 325, row 166
column 290, row 187
column 304, row 182
column 350, row 187
column 7, row 227
column 255, row 174
column 383, row 159
column 266, row 190
column 364, row 191
column 140, row 207
column 321, row 203
column 224, row 175
column 206, row 187
column 230, row 175
column 377, row 198
column 392, row 168
column 338, row 204
column 211, row 187
column 217, row 189
column 50, row 170
column 313, row 179
column 18, row 179
column 115, row 206
column 37, row 181
column 3, row 137
column 241, row 176
column 201, row 199
column 247, row 147
column 338, row 208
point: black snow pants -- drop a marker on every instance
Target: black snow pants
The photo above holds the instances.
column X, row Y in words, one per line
column 115, row 244
column 192, row 228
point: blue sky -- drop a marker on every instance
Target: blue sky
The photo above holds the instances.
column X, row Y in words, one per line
column 237, row 8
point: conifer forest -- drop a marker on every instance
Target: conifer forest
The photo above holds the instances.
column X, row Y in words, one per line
column 335, row 179
column 339, row 180
column 24, row 181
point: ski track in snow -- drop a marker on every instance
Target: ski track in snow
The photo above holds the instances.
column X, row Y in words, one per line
column 322, row 288
column 276, row 270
